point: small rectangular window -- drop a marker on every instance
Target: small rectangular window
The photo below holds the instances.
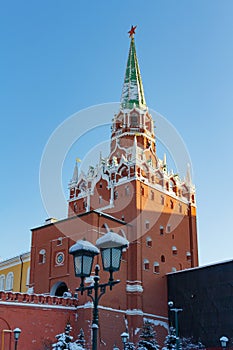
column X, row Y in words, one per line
column 188, row 256
column 156, row 267
column 161, row 230
column 148, row 242
column 146, row 264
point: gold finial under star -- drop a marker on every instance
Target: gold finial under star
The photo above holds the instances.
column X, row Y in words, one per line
column 132, row 31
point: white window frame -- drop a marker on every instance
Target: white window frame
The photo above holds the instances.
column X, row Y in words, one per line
column 9, row 281
column 2, row 282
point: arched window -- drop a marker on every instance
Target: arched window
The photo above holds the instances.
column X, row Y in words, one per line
column 161, row 229
column 168, row 228
column 156, row 267
column 152, row 195
column 134, row 120
column 42, row 256
column 163, row 258
column 180, row 208
column 28, row 277
column 148, row 242
column 2, row 282
column 84, row 203
column 9, row 281
column 127, row 191
column 174, row 269
column 162, row 200
column 75, row 207
column 188, row 256
column 147, row 224
column 146, row 264
column 174, row 250
column 59, row 241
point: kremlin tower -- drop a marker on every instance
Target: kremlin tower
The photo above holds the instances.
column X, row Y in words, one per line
column 130, row 192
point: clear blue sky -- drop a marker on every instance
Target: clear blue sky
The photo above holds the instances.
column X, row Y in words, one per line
column 58, row 57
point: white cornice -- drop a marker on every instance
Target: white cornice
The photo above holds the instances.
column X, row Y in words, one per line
column 15, row 261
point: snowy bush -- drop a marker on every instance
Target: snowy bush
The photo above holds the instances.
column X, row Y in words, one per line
column 147, row 337
column 184, row 343
column 170, row 340
column 188, row 344
column 65, row 340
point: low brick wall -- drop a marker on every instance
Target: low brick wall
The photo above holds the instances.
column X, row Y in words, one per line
column 40, row 317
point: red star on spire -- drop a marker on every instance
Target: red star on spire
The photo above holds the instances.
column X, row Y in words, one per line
column 132, row 31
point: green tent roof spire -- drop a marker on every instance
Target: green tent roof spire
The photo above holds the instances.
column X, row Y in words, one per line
column 132, row 93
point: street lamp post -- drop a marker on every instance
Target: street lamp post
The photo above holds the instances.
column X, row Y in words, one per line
column 16, row 332
column 110, row 245
column 175, row 310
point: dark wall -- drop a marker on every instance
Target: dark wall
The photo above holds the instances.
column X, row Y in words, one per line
column 206, row 296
